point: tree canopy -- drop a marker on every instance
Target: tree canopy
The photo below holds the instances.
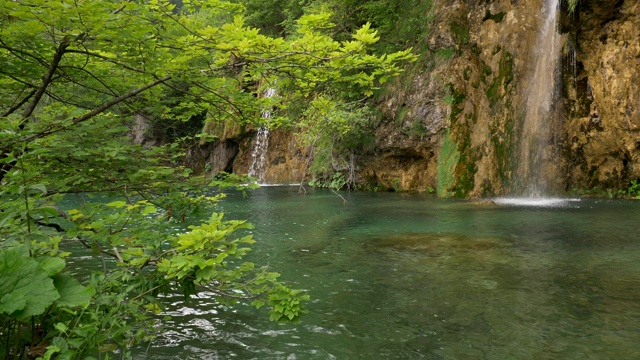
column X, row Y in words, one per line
column 72, row 75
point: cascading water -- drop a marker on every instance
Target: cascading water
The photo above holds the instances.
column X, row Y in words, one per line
column 259, row 154
column 536, row 163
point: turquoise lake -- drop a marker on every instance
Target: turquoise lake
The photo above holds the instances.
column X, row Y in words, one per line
column 410, row 276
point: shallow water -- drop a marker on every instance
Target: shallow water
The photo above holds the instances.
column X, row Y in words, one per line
column 407, row 276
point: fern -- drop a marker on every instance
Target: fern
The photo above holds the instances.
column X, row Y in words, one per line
column 571, row 6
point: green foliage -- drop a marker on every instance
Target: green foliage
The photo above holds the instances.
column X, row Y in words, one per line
column 337, row 133
column 274, row 17
column 28, row 290
column 73, row 75
column 610, row 193
column 336, row 181
column 396, row 184
column 395, row 20
column 571, row 6
column 634, row 189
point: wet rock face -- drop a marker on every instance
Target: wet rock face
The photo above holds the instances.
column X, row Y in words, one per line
column 406, row 141
column 468, row 95
column 603, row 101
column 286, row 158
column 476, row 99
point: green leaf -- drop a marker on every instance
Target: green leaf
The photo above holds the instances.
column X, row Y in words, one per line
column 258, row 303
column 27, row 289
column 51, row 265
column 39, row 187
column 149, row 209
column 72, row 293
column 117, row 204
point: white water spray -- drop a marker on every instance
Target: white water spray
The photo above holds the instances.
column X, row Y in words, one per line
column 258, row 165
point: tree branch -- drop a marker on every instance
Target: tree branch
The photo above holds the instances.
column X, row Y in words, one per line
column 19, row 104
column 130, row 94
column 46, row 80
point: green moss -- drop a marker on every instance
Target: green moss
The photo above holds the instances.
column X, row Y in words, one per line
column 400, row 115
column 460, row 29
column 455, row 99
column 465, row 74
column 475, row 49
column 465, row 177
column 486, row 189
column 447, row 162
column 495, row 17
column 466, row 168
column 502, row 79
column 417, row 129
column 445, row 54
column 503, row 143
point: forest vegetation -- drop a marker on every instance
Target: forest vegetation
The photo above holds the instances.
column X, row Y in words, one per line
column 73, row 74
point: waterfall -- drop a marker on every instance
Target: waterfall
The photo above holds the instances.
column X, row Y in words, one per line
column 536, row 166
column 259, row 153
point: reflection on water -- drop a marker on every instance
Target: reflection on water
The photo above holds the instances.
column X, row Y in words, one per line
column 400, row 276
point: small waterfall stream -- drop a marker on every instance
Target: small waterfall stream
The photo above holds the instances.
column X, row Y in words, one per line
column 258, row 165
column 536, row 165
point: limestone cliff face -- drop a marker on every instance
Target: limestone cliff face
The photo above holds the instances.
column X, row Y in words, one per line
column 466, row 98
column 470, row 106
column 452, row 121
column 602, row 100
column 286, row 159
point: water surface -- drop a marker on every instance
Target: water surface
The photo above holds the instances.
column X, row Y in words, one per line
column 407, row 276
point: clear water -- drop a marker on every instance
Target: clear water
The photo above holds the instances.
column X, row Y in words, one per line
column 407, row 276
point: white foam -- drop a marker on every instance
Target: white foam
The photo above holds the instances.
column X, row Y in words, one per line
column 264, row 184
column 267, row 185
column 535, row 202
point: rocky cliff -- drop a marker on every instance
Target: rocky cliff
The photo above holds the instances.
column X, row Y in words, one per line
column 454, row 119
column 602, row 96
column 470, row 106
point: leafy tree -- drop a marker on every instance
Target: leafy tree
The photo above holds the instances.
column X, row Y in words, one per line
column 274, row 17
column 72, row 75
column 401, row 23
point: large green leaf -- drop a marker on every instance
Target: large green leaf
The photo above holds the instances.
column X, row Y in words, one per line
column 27, row 289
column 72, row 293
column 51, row 265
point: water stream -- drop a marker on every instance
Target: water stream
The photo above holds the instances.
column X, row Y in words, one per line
column 258, row 165
column 536, row 164
column 410, row 276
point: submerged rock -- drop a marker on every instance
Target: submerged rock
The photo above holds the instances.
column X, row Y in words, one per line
column 436, row 242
